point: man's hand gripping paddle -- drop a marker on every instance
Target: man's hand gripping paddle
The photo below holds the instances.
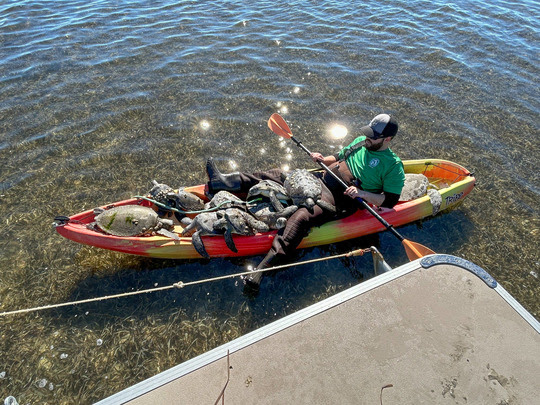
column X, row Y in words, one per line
column 414, row 250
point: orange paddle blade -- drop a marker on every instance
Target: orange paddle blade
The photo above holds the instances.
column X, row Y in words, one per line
column 416, row 250
column 278, row 125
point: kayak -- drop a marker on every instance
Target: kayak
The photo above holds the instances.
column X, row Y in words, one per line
column 451, row 182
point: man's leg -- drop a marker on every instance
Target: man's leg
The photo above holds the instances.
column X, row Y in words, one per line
column 288, row 239
column 237, row 181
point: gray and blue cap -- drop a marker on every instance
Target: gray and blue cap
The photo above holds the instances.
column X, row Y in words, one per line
column 382, row 126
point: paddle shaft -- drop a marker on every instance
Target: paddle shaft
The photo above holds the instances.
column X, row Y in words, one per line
column 358, row 199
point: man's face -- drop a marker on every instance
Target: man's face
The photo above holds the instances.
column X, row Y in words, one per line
column 374, row 145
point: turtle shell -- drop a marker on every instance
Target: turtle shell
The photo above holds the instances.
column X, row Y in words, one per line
column 301, row 186
column 224, row 199
column 266, row 188
column 128, row 220
column 159, row 192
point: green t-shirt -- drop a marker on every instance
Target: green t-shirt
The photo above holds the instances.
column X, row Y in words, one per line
column 378, row 171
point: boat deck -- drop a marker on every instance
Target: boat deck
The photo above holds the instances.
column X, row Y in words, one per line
column 437, row 330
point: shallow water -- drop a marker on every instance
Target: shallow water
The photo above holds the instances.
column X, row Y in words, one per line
column 98, row 99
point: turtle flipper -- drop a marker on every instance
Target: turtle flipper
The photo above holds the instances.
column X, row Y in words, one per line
column 230, row 241
column 198, row 244
column 256, row 225
column 278, row 206
column 287, row 212
column 169, row 234
column 186, row 221
column 326, row 206
column 188, row 228
column 280, row 218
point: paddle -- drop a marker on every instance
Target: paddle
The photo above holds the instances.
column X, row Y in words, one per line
column 414, row 250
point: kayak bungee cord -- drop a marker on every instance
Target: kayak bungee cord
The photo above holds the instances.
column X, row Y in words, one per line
column 181, row 284
column 248, row 204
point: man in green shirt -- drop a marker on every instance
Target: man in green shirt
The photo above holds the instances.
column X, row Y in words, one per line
column 375, row 173
column 370, row 168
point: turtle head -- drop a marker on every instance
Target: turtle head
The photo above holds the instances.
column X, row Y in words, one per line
column 166, row 224
column 281, row 222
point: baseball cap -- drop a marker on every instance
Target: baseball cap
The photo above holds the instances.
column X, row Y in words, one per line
column 382, row 126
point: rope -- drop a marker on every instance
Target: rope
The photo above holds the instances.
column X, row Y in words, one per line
column 168, row 207
column 181, row 284
column 249, row 204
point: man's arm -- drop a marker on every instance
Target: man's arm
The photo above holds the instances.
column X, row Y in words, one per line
column 387, row 200
column 327, row 160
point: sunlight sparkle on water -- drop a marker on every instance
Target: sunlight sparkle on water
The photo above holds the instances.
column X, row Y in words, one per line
column 205, row 125
column 285, row 168
column 338, row 131
column 283, row 109
column 232, row 164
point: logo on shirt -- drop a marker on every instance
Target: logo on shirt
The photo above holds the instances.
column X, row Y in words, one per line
column 374, row 162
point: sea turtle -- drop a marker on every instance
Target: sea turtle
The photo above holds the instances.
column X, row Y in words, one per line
column 305, row 190
column 270, row 189
column 234, row 220
column 415, row 186
column 224, row 199
column 203, row 224
column 184, row 202
column 177, row 201
column 159, row 192
column 266, row 213
column 132, row 220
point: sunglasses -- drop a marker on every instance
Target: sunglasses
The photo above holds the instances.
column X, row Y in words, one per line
column 376, row 136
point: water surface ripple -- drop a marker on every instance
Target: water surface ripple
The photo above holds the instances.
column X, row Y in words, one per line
column 98, row 98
